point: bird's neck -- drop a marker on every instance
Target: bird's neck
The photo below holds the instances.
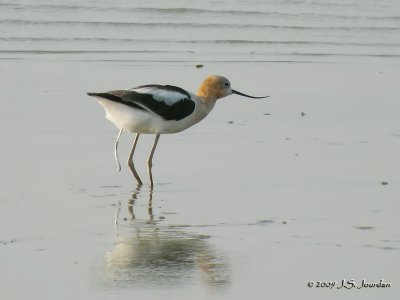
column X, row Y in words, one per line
column 203, row 108
column 206, row 103
column 206, row 94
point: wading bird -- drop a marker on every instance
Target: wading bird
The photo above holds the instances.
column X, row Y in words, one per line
column 159, row 109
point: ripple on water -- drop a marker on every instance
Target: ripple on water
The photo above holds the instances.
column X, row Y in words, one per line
column 318, row 31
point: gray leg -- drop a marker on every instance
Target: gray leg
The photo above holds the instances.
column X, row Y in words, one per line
column 130, row 160
column 150, row 207
column 117, row 212
column 150, row 160
column 115, row 150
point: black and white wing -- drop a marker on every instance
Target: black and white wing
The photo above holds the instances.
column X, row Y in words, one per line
column 168, row 102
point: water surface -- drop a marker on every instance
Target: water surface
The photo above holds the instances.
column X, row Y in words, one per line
column 256, row 201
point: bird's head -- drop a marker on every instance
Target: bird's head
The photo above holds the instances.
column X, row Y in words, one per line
column 215, row 87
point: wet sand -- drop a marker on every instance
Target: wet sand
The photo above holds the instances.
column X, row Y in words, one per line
column 259, row 199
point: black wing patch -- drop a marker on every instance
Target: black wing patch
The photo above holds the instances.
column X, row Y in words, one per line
column 177, row 111
column 116, row 97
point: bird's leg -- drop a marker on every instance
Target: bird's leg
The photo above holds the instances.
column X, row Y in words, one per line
column 132, row 201
column 115, row 150
column 150, row 207
column 130, row 160
column 150, row 160
column 117, row 212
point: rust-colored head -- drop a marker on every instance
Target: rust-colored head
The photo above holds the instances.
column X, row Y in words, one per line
column 215, row 87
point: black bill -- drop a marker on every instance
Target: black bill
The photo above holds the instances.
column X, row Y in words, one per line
column 248, row 96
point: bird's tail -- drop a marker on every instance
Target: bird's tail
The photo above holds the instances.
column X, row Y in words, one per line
column 108, row 96
column 94, row 94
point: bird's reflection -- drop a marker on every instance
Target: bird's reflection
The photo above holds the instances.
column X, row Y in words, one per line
column 149, row 252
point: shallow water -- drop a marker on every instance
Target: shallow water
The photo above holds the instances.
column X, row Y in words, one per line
column 275, row 30
column 256, row 201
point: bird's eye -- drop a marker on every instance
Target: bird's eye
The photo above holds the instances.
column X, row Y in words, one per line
column 226, row 83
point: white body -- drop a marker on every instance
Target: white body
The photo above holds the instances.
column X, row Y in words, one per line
column 143, row 121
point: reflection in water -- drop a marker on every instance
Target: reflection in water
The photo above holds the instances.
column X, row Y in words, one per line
column 148, row 253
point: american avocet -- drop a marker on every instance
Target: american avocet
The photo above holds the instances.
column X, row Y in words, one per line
column 158, row 109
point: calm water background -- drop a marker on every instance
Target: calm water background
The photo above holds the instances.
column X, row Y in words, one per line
column 254, row 202
column 148, row 31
